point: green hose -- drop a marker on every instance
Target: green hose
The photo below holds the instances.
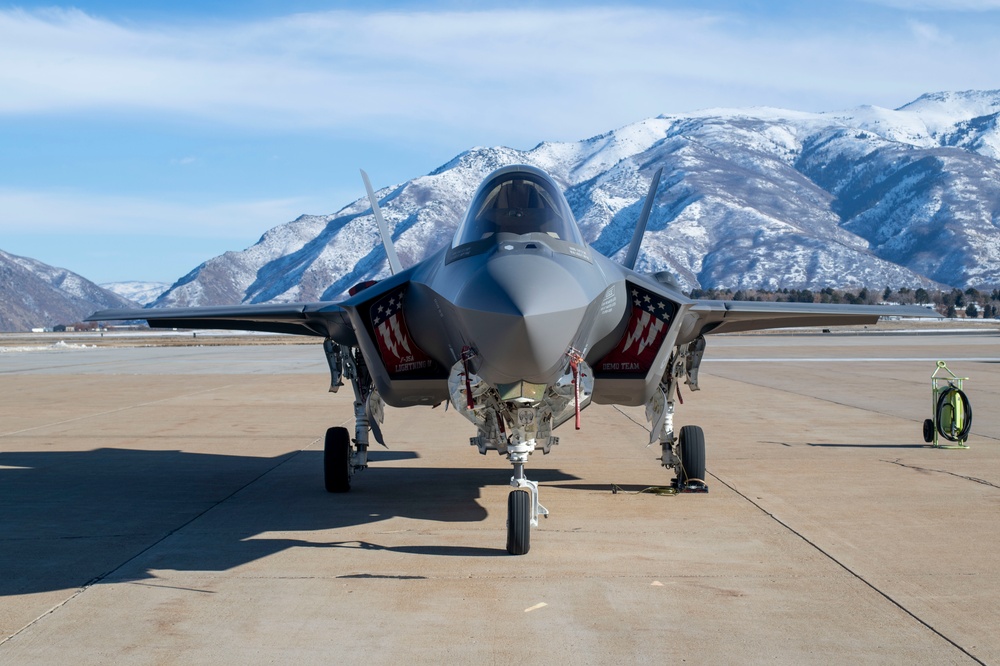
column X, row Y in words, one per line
column 953, row 408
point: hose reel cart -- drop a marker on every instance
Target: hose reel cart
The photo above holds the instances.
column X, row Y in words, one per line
column 951, row 409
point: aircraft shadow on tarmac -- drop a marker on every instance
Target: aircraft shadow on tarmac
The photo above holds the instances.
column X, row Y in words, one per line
column 70, row 518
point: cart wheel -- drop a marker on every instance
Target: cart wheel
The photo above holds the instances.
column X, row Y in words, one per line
column 928, row 430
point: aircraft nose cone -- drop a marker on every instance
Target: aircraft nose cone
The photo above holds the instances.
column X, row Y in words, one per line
column 522, row 328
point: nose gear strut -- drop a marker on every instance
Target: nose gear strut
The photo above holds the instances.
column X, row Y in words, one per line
column 515, row 420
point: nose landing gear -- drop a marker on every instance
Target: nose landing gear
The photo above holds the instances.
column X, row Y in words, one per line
column 523, row 507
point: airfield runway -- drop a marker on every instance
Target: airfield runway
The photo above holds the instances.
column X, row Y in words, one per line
column 165, row 505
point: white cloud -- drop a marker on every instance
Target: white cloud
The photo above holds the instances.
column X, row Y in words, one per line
column 64, row 211
column 508, row 74
column 330, row 69
column 928, row 33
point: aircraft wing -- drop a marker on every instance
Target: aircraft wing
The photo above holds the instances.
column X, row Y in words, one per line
column 327, row 320
column 736, row 316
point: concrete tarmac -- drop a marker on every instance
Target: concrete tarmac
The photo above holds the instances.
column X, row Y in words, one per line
column 166, row 506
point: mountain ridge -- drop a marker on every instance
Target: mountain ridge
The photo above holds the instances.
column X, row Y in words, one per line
column 36, row 295
column 751, row 198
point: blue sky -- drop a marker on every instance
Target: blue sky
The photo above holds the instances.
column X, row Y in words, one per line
column 137, row 142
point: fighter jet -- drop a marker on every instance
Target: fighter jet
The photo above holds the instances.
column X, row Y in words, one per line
column 520, row 325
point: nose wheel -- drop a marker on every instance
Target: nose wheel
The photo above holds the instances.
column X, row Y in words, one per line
column 518, row 521
column 523, row 507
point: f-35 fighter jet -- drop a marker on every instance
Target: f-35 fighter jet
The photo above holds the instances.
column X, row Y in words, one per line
column 520, row 325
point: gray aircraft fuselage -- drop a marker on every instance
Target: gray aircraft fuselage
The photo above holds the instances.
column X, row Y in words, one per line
column 520, row 302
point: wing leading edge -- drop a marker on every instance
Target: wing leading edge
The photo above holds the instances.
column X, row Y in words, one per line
column 326, row 320
column 737, row 316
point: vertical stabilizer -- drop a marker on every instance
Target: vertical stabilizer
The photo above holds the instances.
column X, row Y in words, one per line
column 383, row 229
column 640, row 226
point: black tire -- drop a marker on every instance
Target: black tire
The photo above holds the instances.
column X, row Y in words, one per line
column 928, row 430
column 692, row 446
column 518, row 522
column 337, row 460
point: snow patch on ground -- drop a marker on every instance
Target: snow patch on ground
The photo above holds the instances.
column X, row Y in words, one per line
column 60, row 346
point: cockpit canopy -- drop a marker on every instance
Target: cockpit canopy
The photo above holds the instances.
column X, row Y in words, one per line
column 518, row 200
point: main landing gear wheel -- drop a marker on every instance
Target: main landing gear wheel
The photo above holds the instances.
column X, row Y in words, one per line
column 518, row 522
column 337, row 460
column 691, row 476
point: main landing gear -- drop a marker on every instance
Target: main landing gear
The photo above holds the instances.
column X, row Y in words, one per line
column 337, row 466
column 685, row 454
column 691, row 474
column 340, row 459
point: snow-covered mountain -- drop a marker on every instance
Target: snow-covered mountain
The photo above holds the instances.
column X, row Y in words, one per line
column 756, row 197
column 136, row 291
column 33, row 294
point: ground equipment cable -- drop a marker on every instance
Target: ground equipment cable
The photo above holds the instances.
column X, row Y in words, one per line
column 944, row 401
